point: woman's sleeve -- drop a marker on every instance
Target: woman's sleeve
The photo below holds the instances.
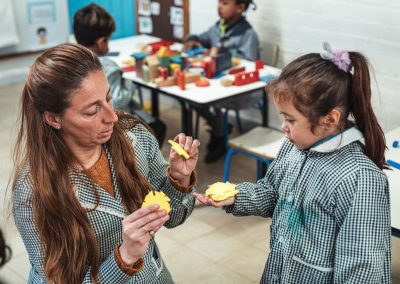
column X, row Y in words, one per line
column 362, row 210
column 182, row 203
column 109, row 271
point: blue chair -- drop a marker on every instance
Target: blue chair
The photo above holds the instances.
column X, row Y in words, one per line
column 260, row 143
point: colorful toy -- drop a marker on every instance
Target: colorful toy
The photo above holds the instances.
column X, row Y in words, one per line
column 128, row 68
column 180, row 80
column 259, row 64
column 139, row 60
column 162, row 72
column 395, row 144
column 237, row 70
column 226, row 82
column 152, row 63
column 246, row 78
column 202, row 82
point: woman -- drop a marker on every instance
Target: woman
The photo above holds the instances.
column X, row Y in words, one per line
column 82, row 172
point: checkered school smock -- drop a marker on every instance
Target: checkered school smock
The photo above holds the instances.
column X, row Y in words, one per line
column 106, row 219
column 330, row 214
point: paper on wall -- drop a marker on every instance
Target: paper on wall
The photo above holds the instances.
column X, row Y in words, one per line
column 144, row 7
column 178, row 3
column 176, row 14
column 145, row 25
column 178, row 32
column 155, row 8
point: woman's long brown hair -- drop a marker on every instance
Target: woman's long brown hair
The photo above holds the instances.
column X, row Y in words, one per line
column 68, row 241
column 316, row 86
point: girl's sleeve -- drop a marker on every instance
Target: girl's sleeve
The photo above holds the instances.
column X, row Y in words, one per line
column 182, row 203
column 109, row 271
column 363, row 246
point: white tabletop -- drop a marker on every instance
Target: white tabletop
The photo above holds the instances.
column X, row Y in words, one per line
column 192, row 93
column 394, row 176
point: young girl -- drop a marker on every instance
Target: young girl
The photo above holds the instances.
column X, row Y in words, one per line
column 326, row 192
column 231, row 33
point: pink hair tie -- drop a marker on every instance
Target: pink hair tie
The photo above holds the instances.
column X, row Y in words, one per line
column 340, row 58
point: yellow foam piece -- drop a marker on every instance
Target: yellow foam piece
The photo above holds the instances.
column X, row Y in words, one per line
column 130, row 61
column 178, row 149
column 220, row 191
column 155, row 197
column 163, row 52
column 235, row 61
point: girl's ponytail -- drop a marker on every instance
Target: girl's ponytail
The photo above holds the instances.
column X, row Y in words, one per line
column 361, row 109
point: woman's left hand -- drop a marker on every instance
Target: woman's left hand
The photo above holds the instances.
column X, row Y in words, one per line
column 181, row 168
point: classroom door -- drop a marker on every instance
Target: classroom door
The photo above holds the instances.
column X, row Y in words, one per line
column 123, row 12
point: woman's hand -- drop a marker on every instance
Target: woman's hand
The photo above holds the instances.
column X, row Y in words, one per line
column 204, row 199
column 137, row 230
column 181, row 168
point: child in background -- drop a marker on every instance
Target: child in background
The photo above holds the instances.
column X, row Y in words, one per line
column 93, row 27
column 326, row 192
column 234, row 34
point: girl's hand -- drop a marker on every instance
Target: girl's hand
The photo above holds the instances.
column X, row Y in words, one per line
column 204, row 199
column 137, row 229
column 181, row 168
column 191, row 44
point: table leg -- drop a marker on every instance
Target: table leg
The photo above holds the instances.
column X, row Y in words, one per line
column 155, row 103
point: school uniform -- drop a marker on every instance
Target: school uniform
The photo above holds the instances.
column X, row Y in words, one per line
column 106, row 218
column 330, row 214
column 239, row 38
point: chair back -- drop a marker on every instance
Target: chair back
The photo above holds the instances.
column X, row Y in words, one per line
column 269, row 53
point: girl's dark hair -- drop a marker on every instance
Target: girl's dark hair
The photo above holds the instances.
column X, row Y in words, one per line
column 5, row 250
column 246, row 3
column 316, row 86
column 68, row 241
column 91, row 23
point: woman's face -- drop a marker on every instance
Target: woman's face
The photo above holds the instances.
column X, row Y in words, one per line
column 89, row 120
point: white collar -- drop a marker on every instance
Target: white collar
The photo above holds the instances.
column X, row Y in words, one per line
column 345, row 138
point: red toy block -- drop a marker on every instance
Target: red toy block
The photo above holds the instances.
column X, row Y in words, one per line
column 180, row 80
column 210, row 68
column 155, row 46
column 246, row 78
column 202, row 82
column 162, row 72
column 259, row 64
column 237, row 70
column 128, row 68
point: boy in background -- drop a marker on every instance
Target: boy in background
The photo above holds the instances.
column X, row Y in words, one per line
column 93, row 27
column 232, row 33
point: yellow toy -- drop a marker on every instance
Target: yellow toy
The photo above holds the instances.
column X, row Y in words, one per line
column 178, row 149
column 154, row 197
column 220, row 191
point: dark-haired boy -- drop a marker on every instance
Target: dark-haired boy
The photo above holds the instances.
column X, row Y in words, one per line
column 93, row 27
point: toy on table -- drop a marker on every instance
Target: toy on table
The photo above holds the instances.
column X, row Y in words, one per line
column 259, row 64
column 237, row 70
column 159, row 198
column 139, row 60
column 393, row 164
column 220, row 191
column 178, row 149
column 395, row 144
column 180, row 80
column 202, row 82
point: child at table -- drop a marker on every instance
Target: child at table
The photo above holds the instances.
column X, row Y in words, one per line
column 326, row 192
column 231, row 33
column 93, row 27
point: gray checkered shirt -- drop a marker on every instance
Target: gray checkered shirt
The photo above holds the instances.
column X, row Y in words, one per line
column 330, row 214
column 106, row 219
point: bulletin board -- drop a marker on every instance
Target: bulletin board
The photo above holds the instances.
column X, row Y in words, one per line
column 166, row 19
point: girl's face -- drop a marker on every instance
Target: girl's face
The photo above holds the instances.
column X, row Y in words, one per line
column 297, row 127
column 229, row 10
column 90, row 119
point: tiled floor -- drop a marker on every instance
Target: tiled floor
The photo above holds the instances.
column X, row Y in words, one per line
column 211, row 247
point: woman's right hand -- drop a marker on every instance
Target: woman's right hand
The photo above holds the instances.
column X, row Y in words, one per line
column 137, row 229
column 204, row 199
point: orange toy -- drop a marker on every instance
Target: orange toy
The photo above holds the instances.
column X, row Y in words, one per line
column 202, row 82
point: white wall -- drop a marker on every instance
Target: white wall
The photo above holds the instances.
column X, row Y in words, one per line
column 300, row 26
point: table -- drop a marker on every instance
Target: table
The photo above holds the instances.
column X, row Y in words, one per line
column 394, row 179
column 193, row 95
